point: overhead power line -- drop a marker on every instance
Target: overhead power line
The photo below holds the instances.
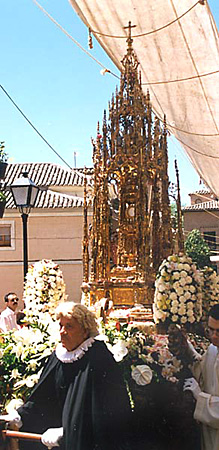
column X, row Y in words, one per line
column 34, row 128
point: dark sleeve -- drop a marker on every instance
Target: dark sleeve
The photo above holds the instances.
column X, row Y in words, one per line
column 40, row 411
column 111, row 407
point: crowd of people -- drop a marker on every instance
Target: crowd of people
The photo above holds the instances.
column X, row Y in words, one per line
column 81, row 402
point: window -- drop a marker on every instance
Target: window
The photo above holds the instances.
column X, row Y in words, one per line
column 7, row 241
column 210, row 238
column 5, row 236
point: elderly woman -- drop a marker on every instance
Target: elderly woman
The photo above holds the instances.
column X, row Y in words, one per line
column 80, row 401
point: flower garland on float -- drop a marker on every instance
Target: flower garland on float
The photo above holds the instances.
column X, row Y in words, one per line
column 44, row 289
column 210, row 290
column 178, row 292
column 23, row 352
column 154, row 368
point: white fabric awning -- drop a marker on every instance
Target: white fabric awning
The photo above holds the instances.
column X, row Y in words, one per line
column 178, row 49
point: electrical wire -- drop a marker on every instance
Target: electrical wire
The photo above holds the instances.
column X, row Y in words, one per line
column 74, row 40
column 80, row 174
column 34, row 128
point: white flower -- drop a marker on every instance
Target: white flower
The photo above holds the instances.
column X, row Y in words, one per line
column 187, row 295
column 162, row 287
column 173, row 296
column 186, row 267
column 176, row 275
column 173, row 310
column 19, row 349
column 183, row 319
column 181, row 311
column 182, row 281
column 188, row 280
column 192, row 289
column 15, row 373
column 15, row 403
column 159, row 315
column 33, row 364
column 183, row 274
column 142, row 374
column 190, row 305
column 119, row 350
column 174, row 318
column 31, row 380
column 175, row 303
column 182, row 298
column 179, row 291
column 191, row 319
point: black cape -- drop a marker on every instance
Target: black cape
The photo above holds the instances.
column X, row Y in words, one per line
column 87, row 397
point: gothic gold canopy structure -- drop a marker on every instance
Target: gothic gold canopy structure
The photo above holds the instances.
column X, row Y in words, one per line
column 131, row 227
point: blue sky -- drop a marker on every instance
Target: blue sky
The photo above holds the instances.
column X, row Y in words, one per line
column 59, row 88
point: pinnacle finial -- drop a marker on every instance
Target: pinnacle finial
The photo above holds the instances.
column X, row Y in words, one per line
column 129, row 39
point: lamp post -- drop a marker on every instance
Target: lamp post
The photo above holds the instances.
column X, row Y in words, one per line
column 25, row 193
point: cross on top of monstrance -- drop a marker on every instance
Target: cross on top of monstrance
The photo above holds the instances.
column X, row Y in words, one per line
column 129, row 39
column 130, row 61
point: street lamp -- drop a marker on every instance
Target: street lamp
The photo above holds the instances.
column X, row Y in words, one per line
column 24, row 193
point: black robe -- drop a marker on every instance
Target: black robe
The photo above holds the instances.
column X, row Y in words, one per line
column 87, row 397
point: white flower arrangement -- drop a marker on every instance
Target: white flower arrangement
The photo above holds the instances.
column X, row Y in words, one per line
column 143, row 357
column 23, row 352
column 178, row 291
column 210, row 289
column 44, row 286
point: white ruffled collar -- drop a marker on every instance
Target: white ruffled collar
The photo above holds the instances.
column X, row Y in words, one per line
column 68, row 357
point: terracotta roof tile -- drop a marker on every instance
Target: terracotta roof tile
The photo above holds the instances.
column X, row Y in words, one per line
column 212, row 204
column 51, row 199
column 202, row 191
column 46, row 175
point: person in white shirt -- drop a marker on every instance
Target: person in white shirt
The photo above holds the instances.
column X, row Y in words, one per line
column 205, row 386
column 8, row 316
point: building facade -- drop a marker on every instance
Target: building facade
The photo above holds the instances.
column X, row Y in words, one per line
column 55, row 227
column 203, row 215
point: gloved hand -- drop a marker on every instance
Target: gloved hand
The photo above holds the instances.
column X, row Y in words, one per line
column 192, row 385
column 52, row 436
column 13, row 418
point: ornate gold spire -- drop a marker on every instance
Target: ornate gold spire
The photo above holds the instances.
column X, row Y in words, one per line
column 127, row 160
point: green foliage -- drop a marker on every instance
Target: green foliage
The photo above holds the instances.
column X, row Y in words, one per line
column 174, row 215
column 2, row 196
column 197, row 249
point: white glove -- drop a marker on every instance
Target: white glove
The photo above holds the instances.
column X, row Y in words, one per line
column 13, row 418
column 51, row 437
column 192, row 385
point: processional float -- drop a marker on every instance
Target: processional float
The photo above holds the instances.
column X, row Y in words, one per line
column 130, row 232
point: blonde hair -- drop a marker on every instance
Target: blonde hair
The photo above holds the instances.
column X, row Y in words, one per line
column 83, row 315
